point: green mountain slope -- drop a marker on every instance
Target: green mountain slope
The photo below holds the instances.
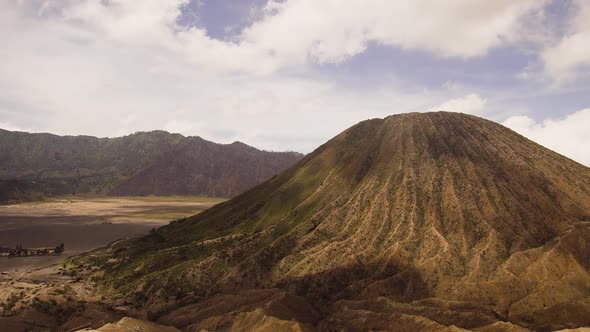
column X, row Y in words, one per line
column 36, row 165
column 413, row 221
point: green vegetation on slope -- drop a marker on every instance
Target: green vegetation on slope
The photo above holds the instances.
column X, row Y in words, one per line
column 33, row 166
column 411, row 207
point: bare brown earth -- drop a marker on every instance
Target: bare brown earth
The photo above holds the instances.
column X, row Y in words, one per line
column 133, row 325
column 415, row 222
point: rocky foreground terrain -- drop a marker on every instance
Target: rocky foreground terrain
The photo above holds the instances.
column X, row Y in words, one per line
column 415, row 222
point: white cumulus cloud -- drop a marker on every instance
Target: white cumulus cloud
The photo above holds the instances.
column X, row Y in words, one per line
column 569, row 136
column 332, row 31
column 112, row 67
column 565, row 59
column 294, row 32
column 470, row 104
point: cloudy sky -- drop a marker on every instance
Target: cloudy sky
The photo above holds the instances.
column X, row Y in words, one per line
column 288, row 75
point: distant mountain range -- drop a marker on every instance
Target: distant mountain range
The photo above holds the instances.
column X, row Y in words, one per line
column 415, row 222
column 33, row 166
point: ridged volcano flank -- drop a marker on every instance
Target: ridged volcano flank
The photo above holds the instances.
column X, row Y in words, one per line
column 413, row 206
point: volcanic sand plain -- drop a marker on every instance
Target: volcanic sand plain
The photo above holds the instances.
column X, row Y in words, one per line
column 84, row 224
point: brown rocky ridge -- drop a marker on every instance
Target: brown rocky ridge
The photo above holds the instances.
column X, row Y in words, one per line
column 415, row 222
column 35, row 166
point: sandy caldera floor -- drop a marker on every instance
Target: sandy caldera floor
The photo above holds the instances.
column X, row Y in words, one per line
column 83, row 224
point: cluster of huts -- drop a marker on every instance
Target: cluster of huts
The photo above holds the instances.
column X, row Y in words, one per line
column 19, row 251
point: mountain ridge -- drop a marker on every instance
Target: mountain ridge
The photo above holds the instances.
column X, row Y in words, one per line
column 444, row 216
column 37, row 165
column 416, row 222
